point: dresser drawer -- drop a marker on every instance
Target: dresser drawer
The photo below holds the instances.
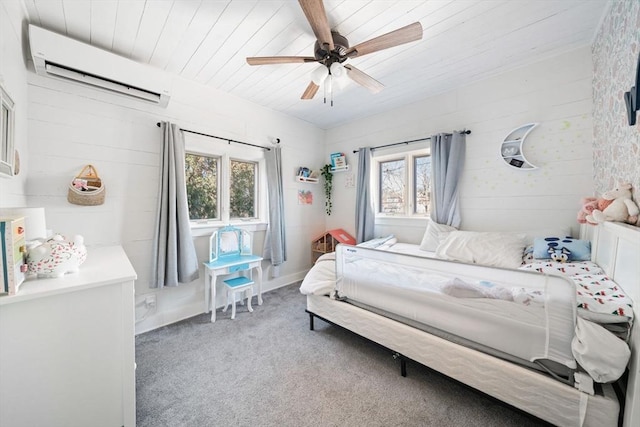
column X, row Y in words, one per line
column 239, row 267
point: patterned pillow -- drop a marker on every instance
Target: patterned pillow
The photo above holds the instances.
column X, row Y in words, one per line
column 561, row 249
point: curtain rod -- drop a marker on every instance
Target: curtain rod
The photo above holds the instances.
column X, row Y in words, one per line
column 466, row 132
column 226, row 139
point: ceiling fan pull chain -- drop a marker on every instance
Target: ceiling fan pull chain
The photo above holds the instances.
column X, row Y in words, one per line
column 325, row 92
column 331, row 88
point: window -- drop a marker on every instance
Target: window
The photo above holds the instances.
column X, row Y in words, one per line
column 422, row 180
column 404, row 184
column 243, row 189
column 201, row 174
column 224, row 182
column 7, row 154
column 393, row 186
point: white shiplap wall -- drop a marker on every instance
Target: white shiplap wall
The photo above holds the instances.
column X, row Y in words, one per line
column 13, row 78
column 72, row 125
column 556, row 93
column 69, row 126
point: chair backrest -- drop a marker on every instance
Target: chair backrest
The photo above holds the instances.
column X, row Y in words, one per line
column 229, row 242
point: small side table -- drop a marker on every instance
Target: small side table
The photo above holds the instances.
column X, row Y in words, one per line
column 227, row 265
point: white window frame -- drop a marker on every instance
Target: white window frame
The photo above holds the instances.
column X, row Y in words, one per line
column 7, row 126
column 410, row 186
column 226, row 152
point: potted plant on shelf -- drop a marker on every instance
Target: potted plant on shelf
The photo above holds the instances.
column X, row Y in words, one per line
column 328, row 178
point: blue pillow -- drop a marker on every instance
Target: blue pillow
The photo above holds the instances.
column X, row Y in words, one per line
column 561, row 249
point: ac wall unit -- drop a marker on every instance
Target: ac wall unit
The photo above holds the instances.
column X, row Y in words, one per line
column 64, row 58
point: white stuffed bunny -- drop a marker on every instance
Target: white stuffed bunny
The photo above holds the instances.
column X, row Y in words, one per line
column 623, row 208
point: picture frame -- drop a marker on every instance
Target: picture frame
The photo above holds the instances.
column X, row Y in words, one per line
column 7, row 125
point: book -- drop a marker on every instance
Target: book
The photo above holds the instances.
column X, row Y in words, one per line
column 338, row 160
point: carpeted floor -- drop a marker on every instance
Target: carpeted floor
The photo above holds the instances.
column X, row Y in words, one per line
column 267, row 368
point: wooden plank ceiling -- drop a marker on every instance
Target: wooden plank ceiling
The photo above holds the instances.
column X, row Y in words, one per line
column 208, row 41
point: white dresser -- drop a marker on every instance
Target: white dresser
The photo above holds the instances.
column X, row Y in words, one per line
column 67, row 351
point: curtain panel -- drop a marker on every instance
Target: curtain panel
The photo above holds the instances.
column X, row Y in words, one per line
column 174, row 253
column 275, row 247
column 447, row 162
column 365, row 215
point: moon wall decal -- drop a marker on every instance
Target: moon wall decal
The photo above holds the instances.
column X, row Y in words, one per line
column 511, row 148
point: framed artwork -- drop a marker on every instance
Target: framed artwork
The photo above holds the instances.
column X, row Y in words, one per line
column 349, row 180
column 305, row 197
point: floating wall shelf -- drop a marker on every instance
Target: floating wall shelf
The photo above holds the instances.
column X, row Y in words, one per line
column 308, row 180
column 511, row 148
column 342, row 169
column 307, row 175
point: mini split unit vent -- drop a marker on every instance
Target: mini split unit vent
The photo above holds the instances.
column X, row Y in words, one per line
column 64, row 58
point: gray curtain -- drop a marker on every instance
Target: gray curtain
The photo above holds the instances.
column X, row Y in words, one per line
column 275, row 247
column 365, row 216
column 447, row 161
column 174, row 254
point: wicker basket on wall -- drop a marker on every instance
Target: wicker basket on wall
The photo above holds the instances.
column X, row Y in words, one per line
column 86, row 189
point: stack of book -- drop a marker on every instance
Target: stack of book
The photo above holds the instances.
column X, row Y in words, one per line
column 13, row 266
column 338, row 161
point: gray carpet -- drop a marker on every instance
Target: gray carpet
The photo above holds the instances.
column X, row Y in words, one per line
column 267, row 368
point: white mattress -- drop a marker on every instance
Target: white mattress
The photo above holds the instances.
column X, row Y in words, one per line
column 523, row 388
column 405, row 287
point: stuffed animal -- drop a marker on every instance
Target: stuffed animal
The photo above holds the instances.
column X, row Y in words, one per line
column 622, row 207
column 589, row 204
column 558, row 254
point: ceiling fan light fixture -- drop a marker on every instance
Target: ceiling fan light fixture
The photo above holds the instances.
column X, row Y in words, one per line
column 341, row 82
column 331, row 49
column 319, row 75
column 337, row 70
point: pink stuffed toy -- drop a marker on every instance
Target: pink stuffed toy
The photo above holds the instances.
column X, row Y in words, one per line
column 589, row 204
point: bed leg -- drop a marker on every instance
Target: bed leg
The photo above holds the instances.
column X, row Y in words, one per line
column 403, row 364
column 310, row 322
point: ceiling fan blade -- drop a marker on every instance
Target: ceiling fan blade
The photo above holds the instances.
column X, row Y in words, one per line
column 310, row 91
column 268, row 60
column 410, row 33
column 317, row 17
column 364, row 79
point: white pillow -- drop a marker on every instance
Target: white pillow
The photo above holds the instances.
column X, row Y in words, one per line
column 532, row 234
column 434, row 234
column 493, row 249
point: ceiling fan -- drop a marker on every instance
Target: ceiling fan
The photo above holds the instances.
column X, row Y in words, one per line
column 332, row 49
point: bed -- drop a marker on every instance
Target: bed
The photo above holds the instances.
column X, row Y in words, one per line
column 538, row 374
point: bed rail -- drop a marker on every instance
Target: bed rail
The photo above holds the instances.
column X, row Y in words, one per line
column 387, row 280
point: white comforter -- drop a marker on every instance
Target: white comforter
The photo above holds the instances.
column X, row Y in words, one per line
column 321, row 279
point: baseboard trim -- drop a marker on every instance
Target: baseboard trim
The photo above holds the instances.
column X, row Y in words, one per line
column 164, row 318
